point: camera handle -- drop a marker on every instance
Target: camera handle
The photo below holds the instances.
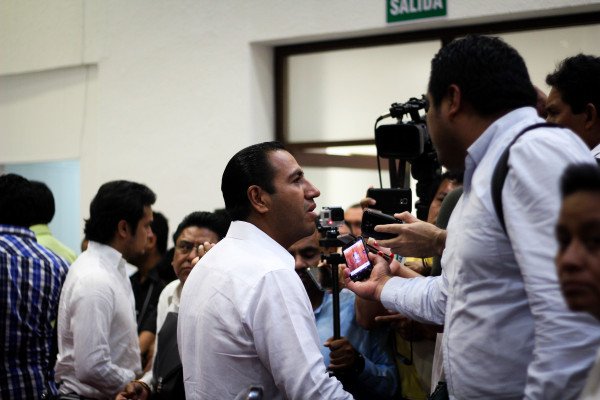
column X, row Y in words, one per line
column 335, row 260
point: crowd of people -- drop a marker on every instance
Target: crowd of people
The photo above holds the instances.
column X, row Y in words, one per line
column 495, row 296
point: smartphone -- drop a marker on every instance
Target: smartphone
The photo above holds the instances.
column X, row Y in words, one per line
column 391, row 201
column 371, row 219
column 322, row 277
column 357, row 260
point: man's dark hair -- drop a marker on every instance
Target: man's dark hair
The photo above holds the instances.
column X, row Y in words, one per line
column 247, row 167
column 44, row 208
column 580, row 177
column 491, row 75
column 203, row 219
column 116, row 201
column 16, row 201
column 578, row 81
column 160, row 228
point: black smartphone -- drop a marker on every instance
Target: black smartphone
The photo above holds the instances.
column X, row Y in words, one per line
column 357, row 260
column 391, row 201
column 372, row 218
column 322, row 277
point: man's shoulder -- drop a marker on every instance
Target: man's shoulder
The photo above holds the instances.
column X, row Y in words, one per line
column 91, row 270
column 25, row 248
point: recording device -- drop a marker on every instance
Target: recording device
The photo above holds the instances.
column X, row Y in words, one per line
column 408, row 147
column 321, row 276
column 357, row 260
column 330, row 218
column 372, row 218
column 391, row 201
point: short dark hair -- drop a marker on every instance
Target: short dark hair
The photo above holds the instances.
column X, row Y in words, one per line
column 247, row 167
column 44, row 203
column 491, row 75
column 160, row 229
column 578, row 81
column 203, row 219
column 116, row 201
column 580, row 177
column 16, row 201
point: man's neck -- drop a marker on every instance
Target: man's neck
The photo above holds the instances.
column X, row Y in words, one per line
column 146, row 263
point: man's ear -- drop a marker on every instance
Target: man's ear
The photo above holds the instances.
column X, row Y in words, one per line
column 591, row 115
column 259, row 199
column 123, row 229
column 454, row 100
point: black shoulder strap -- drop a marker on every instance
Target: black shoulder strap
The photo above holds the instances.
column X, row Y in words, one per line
column 501, row 171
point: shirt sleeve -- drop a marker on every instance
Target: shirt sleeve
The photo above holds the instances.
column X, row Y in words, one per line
column 91, row 321
column 565, row 341
column 420, row 299
column 283, row 323
column 379, row 375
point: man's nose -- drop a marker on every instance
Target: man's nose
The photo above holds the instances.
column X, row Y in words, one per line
column 311, row 191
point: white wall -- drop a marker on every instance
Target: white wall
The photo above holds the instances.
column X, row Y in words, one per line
column 168, row 91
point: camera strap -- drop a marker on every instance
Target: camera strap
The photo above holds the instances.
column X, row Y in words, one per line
column 501, row 170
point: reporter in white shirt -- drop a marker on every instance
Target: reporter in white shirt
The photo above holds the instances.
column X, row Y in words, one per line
column 507, row 331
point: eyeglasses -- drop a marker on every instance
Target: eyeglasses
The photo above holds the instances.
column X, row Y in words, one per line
column 186, row 248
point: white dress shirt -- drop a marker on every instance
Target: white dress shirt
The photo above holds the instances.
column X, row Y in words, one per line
column 245, row 319
column 99, row 352
column 508, row 333
column 167, row 302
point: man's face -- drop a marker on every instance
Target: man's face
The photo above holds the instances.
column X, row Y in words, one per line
column 353, row 218
column 445, row 187
column 291, row 214
column 446, row 144
column 307, row 254
column 136, row 246
column 561, row 113
column 186, row 249
column 578, row 256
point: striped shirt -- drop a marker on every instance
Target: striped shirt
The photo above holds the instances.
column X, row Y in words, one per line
column 31, row 277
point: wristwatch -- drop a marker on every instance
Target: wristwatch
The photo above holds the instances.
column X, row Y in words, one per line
column 359, row 363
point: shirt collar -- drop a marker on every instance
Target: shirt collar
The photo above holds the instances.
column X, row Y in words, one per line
column 109, row 255
column 496, row 131
column 17, row 231
column 40, row 229
column 246, row 231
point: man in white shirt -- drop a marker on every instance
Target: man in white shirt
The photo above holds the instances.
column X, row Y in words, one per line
column 574, row 100
column 97, row 333
column 245, row 319
column 507, row 331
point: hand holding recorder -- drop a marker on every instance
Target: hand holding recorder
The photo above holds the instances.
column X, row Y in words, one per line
column 413, row 237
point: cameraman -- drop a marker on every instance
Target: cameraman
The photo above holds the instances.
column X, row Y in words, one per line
column 363, row 360
column 508, row 333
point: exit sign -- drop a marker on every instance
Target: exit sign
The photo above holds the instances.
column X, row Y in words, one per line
column 405, row 10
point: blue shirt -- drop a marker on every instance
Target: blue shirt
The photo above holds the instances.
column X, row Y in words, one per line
column 31, row 277
column 378, row 379
column 508, row 333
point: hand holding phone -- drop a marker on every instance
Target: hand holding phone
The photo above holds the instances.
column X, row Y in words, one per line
column 371, row 219
column 357, row 260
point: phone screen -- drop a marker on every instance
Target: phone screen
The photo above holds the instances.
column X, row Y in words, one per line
column 357, row 260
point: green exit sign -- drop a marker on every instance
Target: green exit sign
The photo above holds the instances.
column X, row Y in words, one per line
column 405, row 10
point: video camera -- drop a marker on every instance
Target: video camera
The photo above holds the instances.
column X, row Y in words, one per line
column 408, row 146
